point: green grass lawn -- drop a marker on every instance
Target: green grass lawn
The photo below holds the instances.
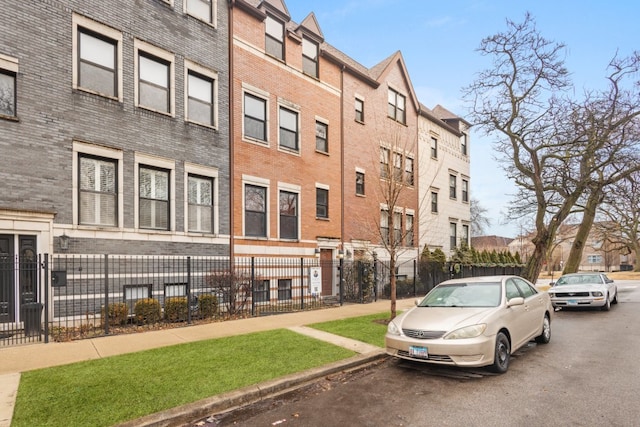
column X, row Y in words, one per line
column 111, row 390
column 369, row 329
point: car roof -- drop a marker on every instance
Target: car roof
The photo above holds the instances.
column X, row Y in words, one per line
column 479, row 279
column 582, row 273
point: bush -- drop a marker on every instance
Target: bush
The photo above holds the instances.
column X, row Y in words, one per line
column 176, row 309
column 147, row 311
column 207, row 305
column 117, row 313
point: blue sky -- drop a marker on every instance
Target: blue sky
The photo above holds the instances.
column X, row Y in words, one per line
column 438, row 40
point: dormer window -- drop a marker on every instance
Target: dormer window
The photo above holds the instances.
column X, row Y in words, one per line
column 274, row 37
column 310, row 57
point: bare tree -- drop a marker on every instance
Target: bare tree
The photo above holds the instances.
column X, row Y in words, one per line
column 523, row 101
column 479, row 218
column 621, row 208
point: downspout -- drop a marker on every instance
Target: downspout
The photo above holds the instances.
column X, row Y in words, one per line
column 342, row 122
column 231, row 135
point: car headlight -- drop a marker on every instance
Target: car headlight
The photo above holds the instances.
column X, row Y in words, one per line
column 393, row 329
column 597, row 294
column 466, row 332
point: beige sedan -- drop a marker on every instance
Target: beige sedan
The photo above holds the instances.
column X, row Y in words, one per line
column 475, row 321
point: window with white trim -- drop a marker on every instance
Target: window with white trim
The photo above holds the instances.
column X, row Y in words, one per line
column 434, row 148
column 205, row 10
column 397, row 228
column 154, row 78
column 384, row 162
column 255, row 117
column 154, row 201
column 201, row 96
column 322, row 137
column 453, row 186
column 465, row 190
column 98, row 191
column 288, row 129
column 309, row 57
column 274, row 37
column 255, row 210
column 8, row 87
column 200, row 202
column 453, row 235
column 409, row 230
column 384, row 225
column 288, row 215
column 408, row 171
column 434, row 202
column 360, row 183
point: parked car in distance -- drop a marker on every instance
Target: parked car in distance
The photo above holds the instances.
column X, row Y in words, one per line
column 472, row 322
column 584, row 290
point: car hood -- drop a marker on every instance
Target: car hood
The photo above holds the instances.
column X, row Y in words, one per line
column 577, row 288
column 442, row 318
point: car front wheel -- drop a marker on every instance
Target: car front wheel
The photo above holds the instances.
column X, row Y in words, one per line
column 502, row 354
column 607, row 304
column 545, row 336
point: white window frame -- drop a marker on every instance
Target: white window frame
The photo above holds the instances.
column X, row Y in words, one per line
column 140, row 46
column 258, row 93
column 293, row 108
column 269, row 35
column 260, row 182
column 142, row 160
column 108, row 32
column 82, row 148
column 208, row 172
column 213, row 18
column 206, row 72
column 291, row 188
column 325, row 122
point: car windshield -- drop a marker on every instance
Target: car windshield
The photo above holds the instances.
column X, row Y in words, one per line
column 463, row 295
column 582, row 279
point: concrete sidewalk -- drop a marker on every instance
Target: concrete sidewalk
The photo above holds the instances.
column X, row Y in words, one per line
column 15, row 360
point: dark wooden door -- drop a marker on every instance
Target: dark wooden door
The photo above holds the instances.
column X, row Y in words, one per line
column 326, row 262
column 7, row 279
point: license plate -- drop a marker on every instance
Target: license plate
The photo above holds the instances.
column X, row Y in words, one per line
column 420, row 352
column 572, row 302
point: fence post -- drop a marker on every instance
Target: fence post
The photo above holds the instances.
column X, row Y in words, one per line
column 106, row 294
column 415, row 274
column 188, row 290
column 341, row 267
column 46, row 298
column 301, row 283
column 253, row 286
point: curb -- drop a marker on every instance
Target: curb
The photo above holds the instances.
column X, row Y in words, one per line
column 181, row 415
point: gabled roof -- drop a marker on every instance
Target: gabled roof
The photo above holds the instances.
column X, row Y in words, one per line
column 381, row 70
column 277, row 7
column 430, row 115
column 448, row 116
column 310, row 27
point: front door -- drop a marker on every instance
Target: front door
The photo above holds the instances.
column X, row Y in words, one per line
column 28, row 270
column 326, row 263
column 7, row 279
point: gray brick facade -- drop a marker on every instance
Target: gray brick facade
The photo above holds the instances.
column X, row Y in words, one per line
column 37, row 145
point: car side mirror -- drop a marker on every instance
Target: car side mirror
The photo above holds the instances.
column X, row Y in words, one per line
column 515, row 301
column 417, row 301
column 552, row 284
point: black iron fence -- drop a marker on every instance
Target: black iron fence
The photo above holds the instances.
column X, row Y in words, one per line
column 95, row 295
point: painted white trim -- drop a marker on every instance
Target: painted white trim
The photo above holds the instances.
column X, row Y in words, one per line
column 213, row 75
column 209, row 172
column 162, row 163
column 139, row 45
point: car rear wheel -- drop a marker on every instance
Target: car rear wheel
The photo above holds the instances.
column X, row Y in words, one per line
column 615, row 299
column 502, row 354
column 607, row 304
column 545, row 336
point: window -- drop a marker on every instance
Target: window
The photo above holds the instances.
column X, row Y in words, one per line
column 384, row 225
column 154, row 198
column 397, row 166
column 261, row 290
column 309, row 57
column 465, row 190
column 288, row 215
column 397, row 228
column 434, row 202
column 359, row 110
column 396, row 106
column 322, row 143
column 594, row 259
column 154, row 83
column 322, row 203
column 453, row 235
column 134, row 293
column 200, row 98
column 284, row 289
column 288, row 129
column 408, row 171
column 453, row 191
column 97, row 63
column 200, row 201
column 360, row 183
column 409, row 230
column 202, row 9
column 255, row 117
column 7, row 92
column 465, row 234
column 255, row 211
column 274, row 37
column 463, row 144
column 98, row 191
column 384, row 162
column 434, row 148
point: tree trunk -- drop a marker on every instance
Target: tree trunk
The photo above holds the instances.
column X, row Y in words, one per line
column 588, row 216
column 392, row 282
column 534, row 265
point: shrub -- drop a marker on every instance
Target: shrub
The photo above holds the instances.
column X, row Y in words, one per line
column 117, row 313
column 176, row 309
column 207, row 305
column 147, row 311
